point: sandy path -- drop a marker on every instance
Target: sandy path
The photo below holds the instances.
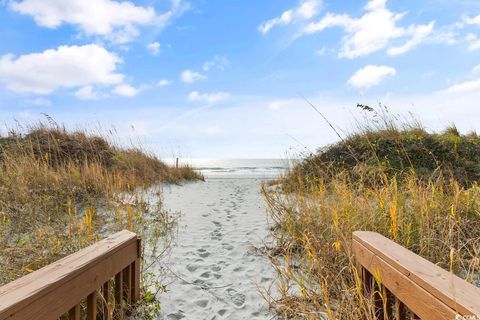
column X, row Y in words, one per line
column 222, row 220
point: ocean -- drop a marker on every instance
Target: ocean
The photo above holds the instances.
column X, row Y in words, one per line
column 268, row 168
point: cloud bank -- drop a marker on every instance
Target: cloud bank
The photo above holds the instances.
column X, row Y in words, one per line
column 63, row 67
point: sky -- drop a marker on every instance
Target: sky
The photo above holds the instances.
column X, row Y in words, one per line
column 233, row 79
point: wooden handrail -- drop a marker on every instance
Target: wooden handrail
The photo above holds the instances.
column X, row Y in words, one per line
column 59, row 288
column 405, row 285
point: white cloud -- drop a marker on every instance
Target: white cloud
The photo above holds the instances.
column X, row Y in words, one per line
column 279, row 104
column 164, row 83
column 373, row 31
column 189, row 76
column 306, row 10
column 418, row 35
column 375, row 5
column 209, row 98
column 476, row 69
column 126, row 90
column 474, row 20
column 154, row 48
column 444, row 35
column 370, row 76
column 87, row 93
column 282, row 104
column 473, row 42
column 275, row 105
column 118, row 21
column 214, row 131
column 219, row 62
column 40, row 101
column 465, row 87
column 64, row 67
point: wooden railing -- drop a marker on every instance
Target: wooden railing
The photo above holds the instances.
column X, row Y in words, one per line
column 102, row 279
column 403, row 285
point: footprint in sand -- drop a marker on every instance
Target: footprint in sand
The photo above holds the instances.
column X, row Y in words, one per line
column 203, row 253
column 216, row 235
column 237, row 298
column 202, row 303
column 216, row 268
column 192, row 267
column 176, row 316
column 227, row 246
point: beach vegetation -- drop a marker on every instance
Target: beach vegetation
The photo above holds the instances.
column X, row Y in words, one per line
column 62, row 190
column 418, row 188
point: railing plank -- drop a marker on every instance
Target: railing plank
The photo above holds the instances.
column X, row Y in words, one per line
column 416, row 298
column 431, row 289
column 64, row 283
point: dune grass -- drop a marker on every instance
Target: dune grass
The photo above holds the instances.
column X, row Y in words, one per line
column 417, row 188
column 62, row 190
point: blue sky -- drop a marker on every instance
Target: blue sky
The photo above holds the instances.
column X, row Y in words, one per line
column 225, row 79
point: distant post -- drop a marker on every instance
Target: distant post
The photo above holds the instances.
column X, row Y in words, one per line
column 176, row 163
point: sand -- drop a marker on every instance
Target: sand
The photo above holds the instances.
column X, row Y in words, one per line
column 216, row 271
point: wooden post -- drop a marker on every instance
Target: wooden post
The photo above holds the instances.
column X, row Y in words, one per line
column 400, row 312
column 367, row 281
column 107, row 295
column 135, row 292
column 136, row 277
column 74, row 313
column 127, row 285
column 127, row 288
column 176, row 163
column 388, row 303
column 118, row 313
column 92, row 306
column 373, row 291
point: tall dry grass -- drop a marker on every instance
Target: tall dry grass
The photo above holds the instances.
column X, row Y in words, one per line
column 320, row 204
column 61, row 191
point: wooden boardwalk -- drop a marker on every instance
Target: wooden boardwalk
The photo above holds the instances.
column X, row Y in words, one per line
column 106, row 272
column 406, row 286
column 402, row 284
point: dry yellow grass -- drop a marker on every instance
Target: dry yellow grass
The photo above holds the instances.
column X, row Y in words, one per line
column 436, row 217
column 61, row 191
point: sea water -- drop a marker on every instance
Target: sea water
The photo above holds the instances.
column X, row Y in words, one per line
column 266, row 168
